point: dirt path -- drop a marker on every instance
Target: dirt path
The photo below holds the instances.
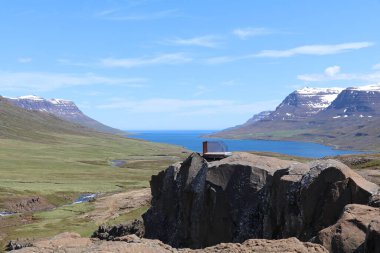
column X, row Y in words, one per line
column 112, row 206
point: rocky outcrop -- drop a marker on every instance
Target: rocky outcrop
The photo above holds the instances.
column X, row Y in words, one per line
column 109, row 233
column 28, row 204
column 357, row 231
column 198, row 204
column 73, row 243
column 307, row 198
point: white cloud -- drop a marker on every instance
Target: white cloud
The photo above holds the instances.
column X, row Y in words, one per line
column 334, row 74
column 315, row 50
column 332, row 71
column 376, row 66
column 244, row 33
column 24, row 60
column 44, row 81
column 202, row 41
column 162, row 59
column 227, row 59
column 188, row 107
column 302, row 50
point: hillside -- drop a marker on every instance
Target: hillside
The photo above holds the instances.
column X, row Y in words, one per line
column 346, row 119
column 46, row 163
column 63, row 109
column 17, row 123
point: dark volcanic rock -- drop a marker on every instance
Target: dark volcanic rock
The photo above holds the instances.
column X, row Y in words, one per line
column 109, row 233
column 356, row 230
column 197, row 204
column 372, row 240
column 308, row 198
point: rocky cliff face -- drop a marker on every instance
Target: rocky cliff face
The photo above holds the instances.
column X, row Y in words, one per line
column 63, row 109
column 360, row 102
column 304, row 103
column 347, row 119
column 197, row 204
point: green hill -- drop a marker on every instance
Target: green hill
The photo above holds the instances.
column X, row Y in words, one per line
column 20, row 124
column 46, row 162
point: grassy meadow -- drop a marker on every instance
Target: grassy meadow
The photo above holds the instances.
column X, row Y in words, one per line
column 69, row 165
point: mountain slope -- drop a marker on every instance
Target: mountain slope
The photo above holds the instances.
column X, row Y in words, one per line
column 349, row 121
column 304, row 103
column 64, row 109
column 17, row 123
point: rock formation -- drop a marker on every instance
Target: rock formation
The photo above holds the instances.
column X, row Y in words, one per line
column 357, row 231
column 198, row 204
column 73, row 243
column 109, row 233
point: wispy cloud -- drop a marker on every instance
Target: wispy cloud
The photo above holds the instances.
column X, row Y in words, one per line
column 202, row 41
column 302, row 50
column 315, row 50
column 45, row 81
column 118, row 15
column 244, row 33
column 69, row 62
column 161, row 59
column 376, row 66
column 188, row 107
column 227, row 59
column 24, row 60
column 334, row 73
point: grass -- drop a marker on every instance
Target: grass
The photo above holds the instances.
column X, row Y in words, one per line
column 61, row 171
column 134, row 214
column 63, row 219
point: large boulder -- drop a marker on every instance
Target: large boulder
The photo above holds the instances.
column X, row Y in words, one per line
column 198, row 204
column 357, row 231
column 306, row 198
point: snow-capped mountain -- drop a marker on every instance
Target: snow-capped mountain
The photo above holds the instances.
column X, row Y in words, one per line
column 64, row 109
column 360, row 102
column 305, row 103
column 346, row 118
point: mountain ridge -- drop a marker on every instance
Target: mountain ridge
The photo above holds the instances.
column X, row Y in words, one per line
column 347, row 119
column 63, row 109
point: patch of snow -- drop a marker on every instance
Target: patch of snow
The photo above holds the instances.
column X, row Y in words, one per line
column 336, row 117
column 345, row 116
column 28, row 97
column 367, row 88
column 313, row 91
column 288, row 114
column 57, row 101
column 369, row 116
column 345, row 110
column 361, row 116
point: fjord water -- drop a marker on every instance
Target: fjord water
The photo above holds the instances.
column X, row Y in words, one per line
column 192, row 140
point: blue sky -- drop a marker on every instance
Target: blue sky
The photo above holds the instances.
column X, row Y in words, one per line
column 176, row 64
